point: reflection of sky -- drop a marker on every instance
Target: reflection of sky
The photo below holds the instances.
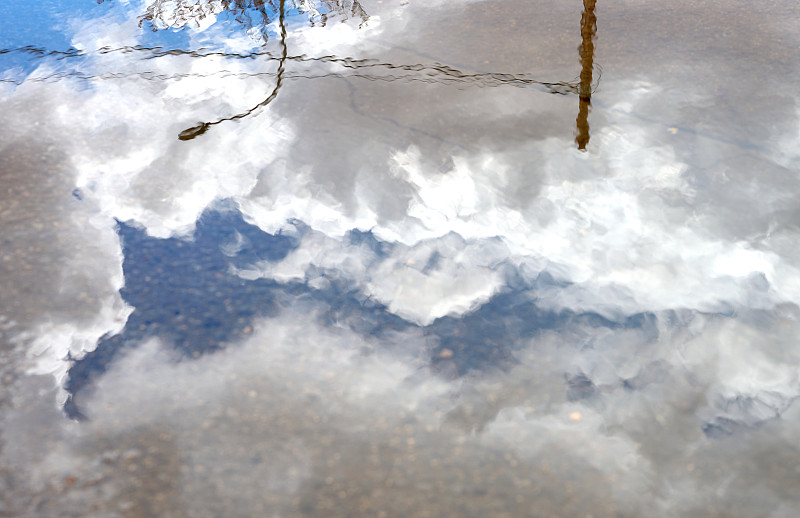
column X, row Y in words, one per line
column 40, row 23
column 398, row 288
column 34, row 24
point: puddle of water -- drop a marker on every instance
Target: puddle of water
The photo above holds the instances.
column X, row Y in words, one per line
column 340, row 258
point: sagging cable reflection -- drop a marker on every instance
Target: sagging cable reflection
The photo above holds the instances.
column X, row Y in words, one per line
column 196, row 131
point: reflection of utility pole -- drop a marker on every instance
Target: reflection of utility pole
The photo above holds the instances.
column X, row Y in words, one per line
column 586, row 50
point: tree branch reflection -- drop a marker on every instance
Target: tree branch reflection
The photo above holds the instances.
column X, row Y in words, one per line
column 254, row 15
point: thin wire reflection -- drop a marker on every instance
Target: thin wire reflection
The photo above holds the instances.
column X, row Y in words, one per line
column 418, row 72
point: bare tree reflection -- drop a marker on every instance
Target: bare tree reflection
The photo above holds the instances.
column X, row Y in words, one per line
column 339, row 7
column 254, row 15
column 586, row 50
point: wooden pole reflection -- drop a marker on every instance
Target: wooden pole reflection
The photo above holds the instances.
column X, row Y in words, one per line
column 586, row 50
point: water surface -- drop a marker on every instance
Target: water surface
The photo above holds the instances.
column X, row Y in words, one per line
column 339, row 258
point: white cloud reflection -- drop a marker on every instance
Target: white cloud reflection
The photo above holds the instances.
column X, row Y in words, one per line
column 475, row 192
column 306, row 420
